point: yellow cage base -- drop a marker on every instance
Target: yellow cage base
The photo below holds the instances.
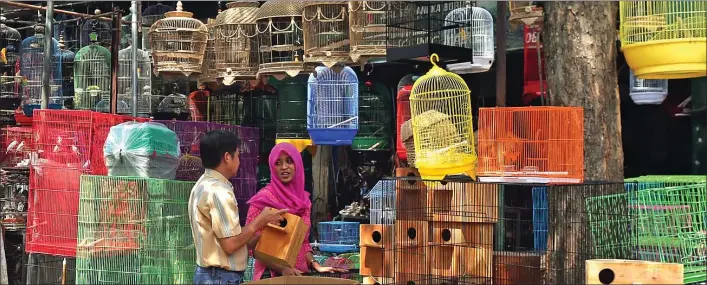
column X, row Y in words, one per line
column 668, row 59
column 433, row 171
column 300, row 144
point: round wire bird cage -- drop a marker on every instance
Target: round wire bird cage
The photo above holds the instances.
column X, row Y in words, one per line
column 101, row 28
column 280, row 38
column 367, row 21
column 31, row 66
column 10, row 40
column 236, row 42
column 208, row 67
column 664, row 39
column 178, row 43
column 403, row 112
column 150, row 16
column 292, row 114
column 144, row 76
column 647, row 91
column 326, row 33
column 67, row 67
column 332, row 105
column 480, row 30
column 374, row 118
column 443, row 133
column 92, row 78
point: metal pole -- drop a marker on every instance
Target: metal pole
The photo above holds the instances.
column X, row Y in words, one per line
column 133, row 49
column 501, row 10
column 47, row 63
column 70, row 13
column 115, row 47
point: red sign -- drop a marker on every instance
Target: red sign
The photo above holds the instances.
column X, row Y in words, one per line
column 531, row 80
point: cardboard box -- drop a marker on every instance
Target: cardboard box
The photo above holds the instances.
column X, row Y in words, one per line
column 304, row 280
column 280, row 244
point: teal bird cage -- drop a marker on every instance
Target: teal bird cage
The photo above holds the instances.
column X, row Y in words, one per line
column 31, row 66
column 375, row 112
column 292, row 111
column 92, row 78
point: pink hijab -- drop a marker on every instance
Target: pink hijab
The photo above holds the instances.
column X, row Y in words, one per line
column 292, row 195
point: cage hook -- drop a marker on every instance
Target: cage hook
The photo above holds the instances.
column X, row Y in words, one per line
column 370, row 70
column 434, row 59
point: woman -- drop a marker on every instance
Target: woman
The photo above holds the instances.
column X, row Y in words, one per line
column 286, row 191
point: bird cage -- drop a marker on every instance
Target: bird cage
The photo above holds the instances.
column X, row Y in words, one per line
column 416, row 29
column 260, row 109
column 326, row 33
column 647, row 91
column 102, row 29
column 374, row 118
column 10, row 40
column 664, row 39
column 236, row 41
column 67, row 67
column 126, row 31
column 482, row 40
column 199, row 104
column 208, row 67
column 292, row 114
column 174, row 106
column 150, row 16
column 332, row 105
column 92, row 77
column 125, row 82
column 69, row 27
column 178, row 43
column 19, row 144
column 280, row 38
column 440, row 107
column 524, row 12
column 226, row 106
column 403, row 111
column 31, row 66
column 367, row 22
column 382, row 202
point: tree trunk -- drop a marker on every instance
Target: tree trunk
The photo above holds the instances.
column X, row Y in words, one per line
column 580, row 54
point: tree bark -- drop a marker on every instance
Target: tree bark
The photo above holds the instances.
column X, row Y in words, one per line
column 580, row 55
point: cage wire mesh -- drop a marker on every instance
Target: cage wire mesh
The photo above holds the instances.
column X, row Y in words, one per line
column 31, row 66
column 332, row 109
column 172, row 106
column 226, row 106
column 338, row 237
column 70, row 28
column 382, row 203
column 402, row 114
column 236, row 41
column 374, row 118
column 13, row 202
column 647, row 91
column 292, row 106
column 18, row 145
column 150, row 16
column 48, row 269
column 325, row 26
column 144, row 76
column 367, row 36
column 260, row 109
column 102, row 29
column 280, row 39
column 178, row 43
column 126, row 30
column 67, row 68
column 10, row 80
column 92, row 80
column 208, row 67
column 478, row 24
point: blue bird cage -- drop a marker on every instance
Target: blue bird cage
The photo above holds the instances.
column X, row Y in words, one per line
column 31, row 66
column 540, row 216
column 338, row 237
column 332, row 108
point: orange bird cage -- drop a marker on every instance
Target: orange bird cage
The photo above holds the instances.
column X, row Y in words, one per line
column 531, row 144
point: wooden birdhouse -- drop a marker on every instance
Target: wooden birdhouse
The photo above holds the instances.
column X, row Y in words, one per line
column 376, row 250
column 463, row 202
column 616, row 271
column 462, row 249
column 280, row 244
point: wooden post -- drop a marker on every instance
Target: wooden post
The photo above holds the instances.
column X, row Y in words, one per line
column 501, row 34
column 115, row 47
column 321, row 164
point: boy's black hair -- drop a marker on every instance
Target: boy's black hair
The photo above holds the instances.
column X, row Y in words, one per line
column 214, row 144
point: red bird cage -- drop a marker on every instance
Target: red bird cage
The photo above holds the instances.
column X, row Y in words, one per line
column 533, row 84
column 18, row 144
column 531, row 144
column 403, row 112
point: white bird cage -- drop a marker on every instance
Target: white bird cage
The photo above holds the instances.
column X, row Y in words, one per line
column 125, row 83
column 367, row 21
column 10, row 83
column 92, row 77
column 208, row 67
column 647, row 91
column 101, row 28
column 382, row 202
column 482, row 43
column 236, row 41
column 31, row 66
column 178, row 43
column 280, row 38
column 332, row 107
column 326, row 33
column 150, row 16
column 67, row 67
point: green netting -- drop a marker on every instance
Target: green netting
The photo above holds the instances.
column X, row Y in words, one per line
column 134, row 231
column 292, row 102
column 374, row 118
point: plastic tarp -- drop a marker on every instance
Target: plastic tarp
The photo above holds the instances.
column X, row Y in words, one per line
column 142, row 149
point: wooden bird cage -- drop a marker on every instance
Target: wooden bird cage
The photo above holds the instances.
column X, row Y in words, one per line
column 178, row 43
column 280, row 39
column 367, row 22
column 524, row 12
column 332, row 110
column 92, row 78
column 101, row 28
column 31, row 66
column 647, row 91
column 482, row 38
column 208, row 68
column 236, row 42
column 150, row 16
column 144, row 76
column 326, row 33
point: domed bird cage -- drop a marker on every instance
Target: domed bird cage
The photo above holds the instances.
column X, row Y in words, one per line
column 440, row 106
column 374, row 109
column 173, row 107
column 125, row 82
column 150, row 16
column 67, row 67
column 236, row 42
column 647, row 91
column 664, row 39
column 92, row 77
column 10, row 40
column 126, row 32
column 403, row 111
column 292, row 112
column 367, row 21
column 31, row 66
column 70, row 28
column 332, row 105
column 102, row 29
column 280, row 38
column 178, row 43
column 208, row 67
column 482, row 38
column 326, row 33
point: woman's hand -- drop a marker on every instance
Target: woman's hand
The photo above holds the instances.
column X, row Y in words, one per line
column 323, row 269
column 290, row 272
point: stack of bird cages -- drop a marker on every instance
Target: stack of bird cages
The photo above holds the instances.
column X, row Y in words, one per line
column 478, row 24
column 13, row 202
column 280, row 39
column 67, row 67
column 31, row 66
column 531, row 144
column 150, row 16
column 226, row 106
column 236, row 42
column 260, row 109
column 102, row 29
column 367, row 23
column 19, row 145
column 332, row 108
column 10, row 40
column 338, row 237
column 208, row 67
column 125, row 83
column 647, row 91
column 326, row 33
column 134, row 231
column 92, row 78
column 374, row 118
column 664, row 224
column 416, row 30
column 178, row 43
column 292, row 115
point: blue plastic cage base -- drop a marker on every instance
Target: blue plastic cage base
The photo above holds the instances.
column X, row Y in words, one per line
column 28, row 109
column 338, row 248
column 332, row 136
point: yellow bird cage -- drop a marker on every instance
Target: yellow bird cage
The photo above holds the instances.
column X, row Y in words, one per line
column 178, row 43
column 664, row 39
column 208, row 67
column 443, row 133
column 326, row 33
column 236, row 41
column 367, row 21
column 280, row 39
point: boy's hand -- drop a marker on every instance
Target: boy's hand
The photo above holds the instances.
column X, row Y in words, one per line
column 270, row 216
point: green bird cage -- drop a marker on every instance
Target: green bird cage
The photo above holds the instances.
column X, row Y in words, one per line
column 260, row 109
column 374, row 117
column 292, row 105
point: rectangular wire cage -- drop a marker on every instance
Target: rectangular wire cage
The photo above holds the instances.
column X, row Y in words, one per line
column 19, row 144
column 134, row 231
column 48, row 269
column 225, row 108
column 338, row 237
column 13, row 200
column 531, row 144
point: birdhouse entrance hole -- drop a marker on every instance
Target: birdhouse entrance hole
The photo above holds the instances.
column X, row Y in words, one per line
column 377, row 237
